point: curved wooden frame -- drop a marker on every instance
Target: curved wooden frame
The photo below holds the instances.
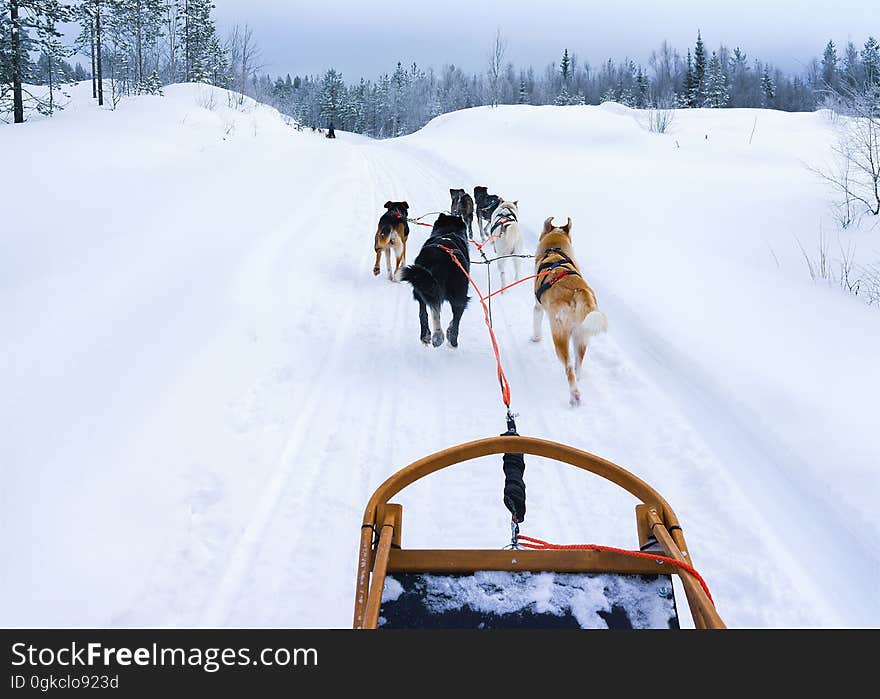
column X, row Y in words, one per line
column 655, row 520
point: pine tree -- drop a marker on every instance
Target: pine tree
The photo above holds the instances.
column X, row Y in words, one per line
column 687, row 86
column 852, row 66
column 523, row 95
column 717, row 90
column 768, row 90
column 565, row 66
column 829, row 66
column 871, row 62
column 740, row 77
column 32, row 25
column 140, row 22
column 699, row 83
column 332, row 98
column 197, row 36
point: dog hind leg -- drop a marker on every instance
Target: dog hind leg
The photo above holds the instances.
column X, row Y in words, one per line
column 378, row 260
column 537, row 322
column 561, row 342
column 424, row 332
column 437, row 338
column 579, row 342
column 401, row 261
column 452, row 330
column 388, row 263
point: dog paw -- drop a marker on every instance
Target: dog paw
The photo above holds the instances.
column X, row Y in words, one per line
column 575, row 400
column 375, row 271
column 426, row 339
column 437, row 338
column 536, row 338
column 452, row 336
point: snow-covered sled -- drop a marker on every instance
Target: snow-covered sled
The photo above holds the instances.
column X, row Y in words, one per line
column 586, row 587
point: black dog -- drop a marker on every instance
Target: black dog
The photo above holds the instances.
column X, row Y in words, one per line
column 436, row 278
column 463, row 205
column 485, row 206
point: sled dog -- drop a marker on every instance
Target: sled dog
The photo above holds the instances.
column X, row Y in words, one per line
column 485, row 204
column 436, row 278
column 391, row 235
column 506, row 237
column 463, row 205
column 569, row 301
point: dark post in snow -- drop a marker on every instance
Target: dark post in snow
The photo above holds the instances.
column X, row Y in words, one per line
column 186, row 41
column 140, row 57
column 98, row 52
column 92, row 41
column 17, row 97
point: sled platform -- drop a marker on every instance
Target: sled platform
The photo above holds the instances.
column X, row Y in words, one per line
column 516, row 588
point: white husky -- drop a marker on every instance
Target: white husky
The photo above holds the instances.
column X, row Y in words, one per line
column 506, row 237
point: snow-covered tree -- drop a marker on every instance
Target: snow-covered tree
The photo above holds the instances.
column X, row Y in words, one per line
column 829, row 66
column 717, row 91
column 32, row 25
column 768, row 90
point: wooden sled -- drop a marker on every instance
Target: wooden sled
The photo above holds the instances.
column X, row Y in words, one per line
column 516, row 588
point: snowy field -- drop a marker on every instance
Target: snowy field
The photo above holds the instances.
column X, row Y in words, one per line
column 202, row 381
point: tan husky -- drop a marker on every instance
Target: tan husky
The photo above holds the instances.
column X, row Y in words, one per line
column 570, row 303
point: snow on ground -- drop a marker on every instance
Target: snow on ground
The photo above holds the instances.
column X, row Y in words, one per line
column 203, row 381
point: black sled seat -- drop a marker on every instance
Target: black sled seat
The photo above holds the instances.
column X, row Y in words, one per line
column 516, row 588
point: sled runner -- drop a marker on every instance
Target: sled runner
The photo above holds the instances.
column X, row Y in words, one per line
column 550, row 587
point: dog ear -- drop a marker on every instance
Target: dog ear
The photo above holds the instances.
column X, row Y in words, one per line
column 567, row 227
column 389, row 204
column 404, row 205
column 548, row 224
column 516, row 203
column 453, row 192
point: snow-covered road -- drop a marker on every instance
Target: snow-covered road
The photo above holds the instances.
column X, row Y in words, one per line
column 206, row 382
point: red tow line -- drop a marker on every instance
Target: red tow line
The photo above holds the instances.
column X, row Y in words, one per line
column 502, row 377
column 532, row 543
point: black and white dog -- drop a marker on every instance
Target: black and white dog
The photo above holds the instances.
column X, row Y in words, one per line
column 436, row 278
column 485, row 206
column 463, row 205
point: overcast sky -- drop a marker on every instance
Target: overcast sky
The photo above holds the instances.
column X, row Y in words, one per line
column 367, row 38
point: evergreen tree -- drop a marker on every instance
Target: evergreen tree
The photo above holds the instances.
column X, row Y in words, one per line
column 32, row 25
column 523, row 95
column 565, row 66
column 871, row 62
column 332, row 98
column 717, row 91
column 768, row 90
column 198, row 40
column 688, row 84
column 699, row 86
column 852, row 66
column 740, row 77
column 79, row 73
column 829, row 66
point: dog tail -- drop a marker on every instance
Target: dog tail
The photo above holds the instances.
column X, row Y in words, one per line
column 595, row 323
column 425, row 285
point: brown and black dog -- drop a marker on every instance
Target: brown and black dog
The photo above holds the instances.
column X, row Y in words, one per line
column 391, row 234
column 570, row 303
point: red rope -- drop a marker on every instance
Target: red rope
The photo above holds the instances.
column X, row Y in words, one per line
column 532, row 543
column 502, row 378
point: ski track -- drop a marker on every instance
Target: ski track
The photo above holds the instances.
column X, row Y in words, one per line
column 387, row 416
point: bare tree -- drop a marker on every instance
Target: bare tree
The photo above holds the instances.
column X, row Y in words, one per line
column 661, row 115
column 856, row 176
column 244, row 56
column 496, row 65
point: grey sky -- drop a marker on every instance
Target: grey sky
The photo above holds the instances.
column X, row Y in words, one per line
column 368, row 38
